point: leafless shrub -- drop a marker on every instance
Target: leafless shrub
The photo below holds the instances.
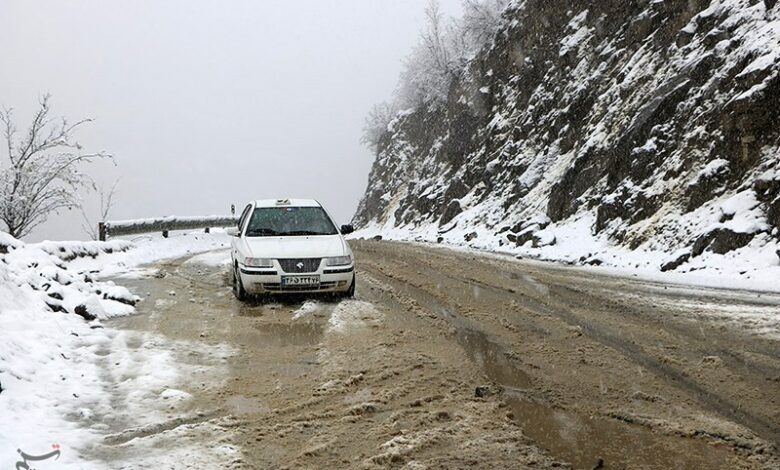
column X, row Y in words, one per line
column 89, row 226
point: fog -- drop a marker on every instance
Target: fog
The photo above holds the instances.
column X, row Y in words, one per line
column 207, row 104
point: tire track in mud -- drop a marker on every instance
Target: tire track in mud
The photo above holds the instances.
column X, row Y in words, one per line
column 608, row 440
column 709, row 400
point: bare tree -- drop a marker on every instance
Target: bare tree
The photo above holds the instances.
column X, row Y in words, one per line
column 481, row 21
column 106, row 204
column 436, row 60
column 377, row 121
column 445, row 47
column 441, row 55
column 43, row 173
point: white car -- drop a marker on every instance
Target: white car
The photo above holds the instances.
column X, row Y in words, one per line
column 290, row 246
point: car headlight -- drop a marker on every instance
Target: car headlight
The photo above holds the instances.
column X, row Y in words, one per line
column 338, row 261
column 259, row 263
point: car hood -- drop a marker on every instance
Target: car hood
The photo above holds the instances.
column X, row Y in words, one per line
column 320, row 246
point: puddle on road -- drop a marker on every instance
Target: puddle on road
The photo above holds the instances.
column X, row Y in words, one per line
column 491, row 358
column 289, row 334
column 582, row 440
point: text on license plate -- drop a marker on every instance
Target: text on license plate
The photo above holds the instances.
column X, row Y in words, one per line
column 300, row 280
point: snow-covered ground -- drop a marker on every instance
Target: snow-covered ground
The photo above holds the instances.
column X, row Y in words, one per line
column 754, row 267
column 67, row 379
column 146, row 249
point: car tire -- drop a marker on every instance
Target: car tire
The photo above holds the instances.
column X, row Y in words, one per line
column 350, row 293
column 238, row 286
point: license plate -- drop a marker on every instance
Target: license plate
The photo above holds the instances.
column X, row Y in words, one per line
column 300, row 281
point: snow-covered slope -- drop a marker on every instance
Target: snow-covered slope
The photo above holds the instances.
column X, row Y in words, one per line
column 636, row 134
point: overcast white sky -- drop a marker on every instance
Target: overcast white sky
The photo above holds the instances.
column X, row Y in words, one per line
column 208, row 103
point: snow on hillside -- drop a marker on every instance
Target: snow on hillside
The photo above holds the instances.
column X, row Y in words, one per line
column 645, row 141
column 754, row 267
column 64, row 375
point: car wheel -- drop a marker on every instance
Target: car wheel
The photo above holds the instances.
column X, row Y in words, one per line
column 238, row 286
column 351, row 291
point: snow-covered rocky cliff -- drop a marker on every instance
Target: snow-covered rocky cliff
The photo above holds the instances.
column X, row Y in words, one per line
column 630, row 133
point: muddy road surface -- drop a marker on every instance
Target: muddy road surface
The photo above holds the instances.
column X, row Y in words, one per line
column 451, row 359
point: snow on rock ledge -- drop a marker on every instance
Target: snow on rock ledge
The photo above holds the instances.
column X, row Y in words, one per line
column 648, row 140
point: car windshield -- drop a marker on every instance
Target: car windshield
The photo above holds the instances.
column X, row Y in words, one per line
column 289, row 221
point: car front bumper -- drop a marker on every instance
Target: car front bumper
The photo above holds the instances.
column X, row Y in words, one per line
column 259, row 281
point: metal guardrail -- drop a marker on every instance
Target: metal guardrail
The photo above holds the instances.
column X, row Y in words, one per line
column 162, row 224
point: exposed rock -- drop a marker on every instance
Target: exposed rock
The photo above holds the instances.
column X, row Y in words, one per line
column 721, row 241
column 773, row 213
column 55, row 295
column 81, row 310
column 470, row 236
column 525, row 236
column 56, row 307
column 767, row 189
column 377, row 237
column 543, row 239
column 628, row 119
column 124, row 300
column 452, row 210
column 676, row 263
column 631, row 207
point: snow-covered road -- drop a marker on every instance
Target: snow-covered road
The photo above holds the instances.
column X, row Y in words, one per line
column 445, row 359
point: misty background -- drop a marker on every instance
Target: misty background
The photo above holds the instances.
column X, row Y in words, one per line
column 206, row 103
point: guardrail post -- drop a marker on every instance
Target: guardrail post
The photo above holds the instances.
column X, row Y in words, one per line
column 102, row 231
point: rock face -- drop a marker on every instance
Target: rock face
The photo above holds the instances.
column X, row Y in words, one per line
column 644, row 116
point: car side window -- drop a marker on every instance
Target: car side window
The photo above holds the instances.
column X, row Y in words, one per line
column 244, row 216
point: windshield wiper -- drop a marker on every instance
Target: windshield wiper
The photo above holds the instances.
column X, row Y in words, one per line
column 261, row 232
column 302, row 232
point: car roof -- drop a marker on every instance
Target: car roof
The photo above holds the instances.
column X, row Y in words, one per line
column 287, row 202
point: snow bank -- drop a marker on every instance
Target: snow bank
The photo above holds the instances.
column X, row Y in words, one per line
column 217, row 258
column 49, row 327
column 151, row 248
column 753, row 267
column 46, row 374
column 67, row 380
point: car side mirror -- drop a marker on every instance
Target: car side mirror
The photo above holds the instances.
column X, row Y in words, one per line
column 347, row 229
column 232, row 231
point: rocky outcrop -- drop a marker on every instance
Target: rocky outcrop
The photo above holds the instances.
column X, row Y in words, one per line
column 645, row 116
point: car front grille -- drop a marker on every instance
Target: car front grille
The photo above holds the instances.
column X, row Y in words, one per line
column 300, row 265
